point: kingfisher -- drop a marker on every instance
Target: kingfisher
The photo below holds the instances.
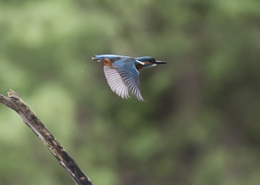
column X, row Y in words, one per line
column 122, row 72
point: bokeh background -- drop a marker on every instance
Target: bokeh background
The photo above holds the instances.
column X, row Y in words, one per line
column 200, row 123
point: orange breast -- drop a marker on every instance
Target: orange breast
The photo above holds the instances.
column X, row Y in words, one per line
column 139, row 66
column 107, row 62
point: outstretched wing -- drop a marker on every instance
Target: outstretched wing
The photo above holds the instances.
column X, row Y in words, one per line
column 129, row 74
column 115, row 82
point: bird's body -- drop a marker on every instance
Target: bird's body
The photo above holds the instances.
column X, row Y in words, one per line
column 122, row 72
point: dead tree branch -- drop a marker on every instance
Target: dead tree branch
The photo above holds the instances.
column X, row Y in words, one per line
column 14, row 102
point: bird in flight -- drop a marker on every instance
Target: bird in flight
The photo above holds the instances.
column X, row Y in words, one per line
column 122, row 72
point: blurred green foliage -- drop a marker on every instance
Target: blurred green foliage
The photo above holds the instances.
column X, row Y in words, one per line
column 200, row 124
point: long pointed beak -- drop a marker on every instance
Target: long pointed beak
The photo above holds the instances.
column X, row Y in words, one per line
column 160, row 62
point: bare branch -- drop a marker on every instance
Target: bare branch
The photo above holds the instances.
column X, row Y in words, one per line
column 14, row 102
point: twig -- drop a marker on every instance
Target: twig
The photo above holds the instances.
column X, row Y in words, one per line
column 14, row 102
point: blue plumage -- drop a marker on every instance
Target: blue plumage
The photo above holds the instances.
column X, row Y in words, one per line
column 122, row 72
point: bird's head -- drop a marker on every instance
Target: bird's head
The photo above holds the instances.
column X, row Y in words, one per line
column 147, row 62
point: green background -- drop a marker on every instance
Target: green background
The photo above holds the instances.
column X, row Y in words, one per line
column 200, row 123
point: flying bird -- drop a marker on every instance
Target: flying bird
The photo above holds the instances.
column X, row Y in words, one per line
column 122, row 72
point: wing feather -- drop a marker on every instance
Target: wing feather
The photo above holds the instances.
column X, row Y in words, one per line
column 130, row 75
column 115, row 82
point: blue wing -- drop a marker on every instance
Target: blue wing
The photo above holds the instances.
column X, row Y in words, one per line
column 130, row 75
column 115, row 82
